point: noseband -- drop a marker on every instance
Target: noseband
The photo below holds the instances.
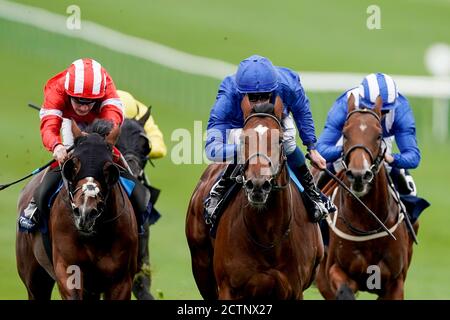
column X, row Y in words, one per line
column 376, row 162
column 88, row 188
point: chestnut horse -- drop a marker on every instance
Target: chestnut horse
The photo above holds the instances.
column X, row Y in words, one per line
column 265, row 245
column 92, row 228
column 360, row 255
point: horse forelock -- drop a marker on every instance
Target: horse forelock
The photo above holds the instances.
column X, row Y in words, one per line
column 93, row 152
column 100, row 126
column 268, row 108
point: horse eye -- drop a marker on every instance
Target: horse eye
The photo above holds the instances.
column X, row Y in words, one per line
column 380, row 137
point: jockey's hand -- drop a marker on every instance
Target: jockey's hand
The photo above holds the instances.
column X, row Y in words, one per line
column 389, row 158
column 317, row 160
column 60, row 153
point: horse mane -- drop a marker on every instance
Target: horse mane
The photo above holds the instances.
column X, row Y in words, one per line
column 264, row 108
column 100, row 126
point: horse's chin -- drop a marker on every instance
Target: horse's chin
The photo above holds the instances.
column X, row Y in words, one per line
column 86, row 230
column 86, row 234
column 360, row 191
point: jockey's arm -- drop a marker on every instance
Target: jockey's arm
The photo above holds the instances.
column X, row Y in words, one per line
column 405, row 137
column 219, row 122
column 158, row 148
column 51, row 116
column 332, row 132
column 300, row 108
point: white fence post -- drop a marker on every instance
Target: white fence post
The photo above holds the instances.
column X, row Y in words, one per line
column 437, row 60
column 440, row 119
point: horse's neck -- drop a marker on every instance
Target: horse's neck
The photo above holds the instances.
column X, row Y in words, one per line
column 114, row 203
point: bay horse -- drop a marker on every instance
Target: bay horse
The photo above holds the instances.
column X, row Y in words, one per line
column 265, row 245
column 134, row 145
column 92, row 228
column 360, row 255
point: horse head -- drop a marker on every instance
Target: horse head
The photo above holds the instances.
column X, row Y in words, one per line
column 90, row 173
column 262, row 149
column 362, row 145
column 134, row 144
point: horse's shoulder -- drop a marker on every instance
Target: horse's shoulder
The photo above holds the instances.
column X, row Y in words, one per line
column 207, row 179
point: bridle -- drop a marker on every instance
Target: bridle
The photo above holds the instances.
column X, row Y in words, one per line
column 376, row 161
column 272, row 180
column 281, row 164
column 374, row 168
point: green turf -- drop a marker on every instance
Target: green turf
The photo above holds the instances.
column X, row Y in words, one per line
column 29, row 57
column 307, row 35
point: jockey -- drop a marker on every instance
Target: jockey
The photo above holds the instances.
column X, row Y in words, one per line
column 262, row 82
column 397, row 122
column 83, row 92
column 135, row 109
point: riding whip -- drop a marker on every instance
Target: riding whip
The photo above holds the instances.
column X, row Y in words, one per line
column 342, row 184
column 34, row 172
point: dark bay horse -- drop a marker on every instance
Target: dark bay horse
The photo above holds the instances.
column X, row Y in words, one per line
column 92, row 228
column 134, row 144
column 360, row 257
column 265, row 246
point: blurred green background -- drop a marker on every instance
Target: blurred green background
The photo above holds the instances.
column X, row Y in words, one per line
column 302, row 35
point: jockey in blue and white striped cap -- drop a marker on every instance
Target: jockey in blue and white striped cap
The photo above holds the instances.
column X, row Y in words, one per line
column 376, row 84
column 398, row 121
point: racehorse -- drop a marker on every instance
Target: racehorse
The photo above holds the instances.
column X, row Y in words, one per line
column 135, row 146
column 265, row 246
column 92, row 228
column 360, row 256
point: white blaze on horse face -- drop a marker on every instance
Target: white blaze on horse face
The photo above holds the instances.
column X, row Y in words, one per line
column 260, row 129
column 90, row 190
column 363, row 126
column 365, row 163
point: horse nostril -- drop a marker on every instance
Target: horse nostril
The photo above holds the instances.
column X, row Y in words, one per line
column 350, row 175
column 368, row 176
column 94, row 213
column 76, row 211
column 249, row 185
column 267, row 186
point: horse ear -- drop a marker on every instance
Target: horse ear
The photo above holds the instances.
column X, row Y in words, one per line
column 111, row 138
column 76, row 131
column 111, row 173
column 278, row 109
column 246, row 106
column 145, row 117
column 71, row 168
column 351, row 103
column 378, row 105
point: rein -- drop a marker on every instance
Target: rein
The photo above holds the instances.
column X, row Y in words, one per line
column 374, row 169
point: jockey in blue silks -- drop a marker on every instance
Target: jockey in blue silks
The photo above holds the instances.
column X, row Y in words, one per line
column 397, row 122
column 262, row 82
